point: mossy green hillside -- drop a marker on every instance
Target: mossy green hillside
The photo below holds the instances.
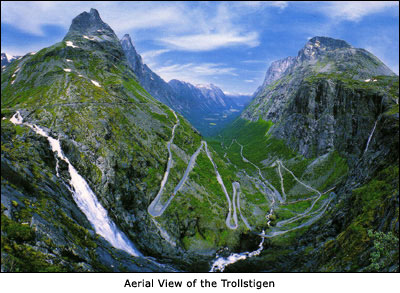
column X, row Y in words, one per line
column 374, row 204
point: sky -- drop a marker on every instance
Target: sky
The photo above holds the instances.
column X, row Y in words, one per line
column 229, row 44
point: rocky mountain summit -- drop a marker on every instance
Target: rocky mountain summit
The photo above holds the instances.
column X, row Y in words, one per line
column 306, row 93
column 89, row 24
column 153, row 83
column 275, row 71
column 7, row 59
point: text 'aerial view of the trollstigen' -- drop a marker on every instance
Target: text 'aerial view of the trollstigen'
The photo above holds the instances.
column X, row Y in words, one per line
column 199, row 137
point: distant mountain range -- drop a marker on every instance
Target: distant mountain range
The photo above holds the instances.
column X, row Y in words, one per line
column 205, row 106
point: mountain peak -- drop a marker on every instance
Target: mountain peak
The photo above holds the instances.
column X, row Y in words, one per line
column 88, row 23
column 328, row 43
column 277, row 69
column 127, row 42
column 6, row 59
column 317, row 46
column 94, row 13
column 134, row 59
column 126, row 37
column 209, row 86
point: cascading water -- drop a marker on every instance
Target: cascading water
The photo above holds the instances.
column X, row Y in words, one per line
column 221, row 263
column 84, row 196
column 370, row 136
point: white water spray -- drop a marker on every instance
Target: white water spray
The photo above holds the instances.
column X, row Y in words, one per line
column 221, row 263
column 84, row 196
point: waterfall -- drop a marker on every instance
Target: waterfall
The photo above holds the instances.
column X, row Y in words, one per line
column 84, row 196
column 370, row 136
column 222, row 262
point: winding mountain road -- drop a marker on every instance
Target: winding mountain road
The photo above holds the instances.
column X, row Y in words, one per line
column 220, row 263
column 156, row 208
column 264, row 180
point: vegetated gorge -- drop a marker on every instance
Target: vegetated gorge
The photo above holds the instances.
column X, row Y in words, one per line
column 102, row 170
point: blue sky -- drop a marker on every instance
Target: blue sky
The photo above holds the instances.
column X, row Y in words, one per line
column 229, row 44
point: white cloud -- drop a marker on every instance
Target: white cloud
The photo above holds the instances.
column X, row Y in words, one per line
column 143, row 15
column 254, row 61
column 195, row 73
column 212, row 29
column 31, row 16
column 279, row 4
column 121, row 16
column 355, row 10
column 207, row 42
column 258, row 4
column 249, row 80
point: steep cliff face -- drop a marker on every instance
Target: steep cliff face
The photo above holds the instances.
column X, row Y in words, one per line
column 330, row 112
column 320, row 55
column 150, row 81
column 276, row 70
column 314, row 101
